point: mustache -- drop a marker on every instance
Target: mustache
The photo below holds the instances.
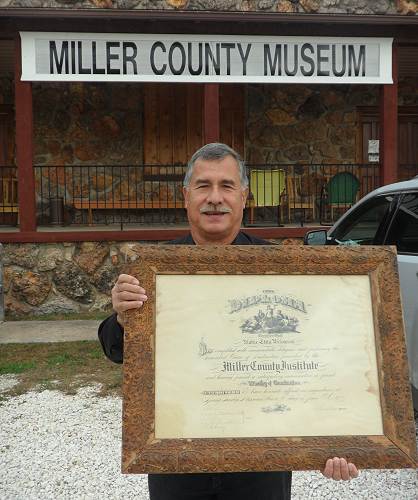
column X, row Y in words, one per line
column 214, row 208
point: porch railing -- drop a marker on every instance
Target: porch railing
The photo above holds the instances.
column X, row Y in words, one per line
column 308, row 193
column 144, row 195
column 93, row 194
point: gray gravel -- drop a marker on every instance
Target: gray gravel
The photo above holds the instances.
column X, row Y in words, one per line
column 68, row 447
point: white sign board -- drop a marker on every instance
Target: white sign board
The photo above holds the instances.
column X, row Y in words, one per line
column 204, row 58
column 373, row 150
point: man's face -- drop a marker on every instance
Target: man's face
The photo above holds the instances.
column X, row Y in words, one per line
column 215, row 201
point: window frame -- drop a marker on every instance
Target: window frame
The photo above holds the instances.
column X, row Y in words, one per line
column 400, row 198
column 384, row 224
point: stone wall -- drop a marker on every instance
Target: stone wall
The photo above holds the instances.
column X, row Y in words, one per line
column 311, row 123
column 87, row 123
column 304, row 123
column 403, row 7
column 63, row 278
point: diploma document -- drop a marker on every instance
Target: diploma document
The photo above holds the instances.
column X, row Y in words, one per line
column 258, row 356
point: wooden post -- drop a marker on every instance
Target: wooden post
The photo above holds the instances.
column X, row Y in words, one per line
column 24, row 147
column 211, row 113
column 389, row 125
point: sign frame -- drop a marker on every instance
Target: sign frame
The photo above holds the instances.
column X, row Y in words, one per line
column 110, row 49
column 142, row 452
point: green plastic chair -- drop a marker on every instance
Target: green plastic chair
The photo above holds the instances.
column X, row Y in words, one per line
column 342, row 191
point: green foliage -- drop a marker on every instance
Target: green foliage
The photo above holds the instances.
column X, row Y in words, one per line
column 88, row 315
column 16, row 367
column 60, row 359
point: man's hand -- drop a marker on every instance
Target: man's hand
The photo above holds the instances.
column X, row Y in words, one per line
column 339, row 469
column 127, row 294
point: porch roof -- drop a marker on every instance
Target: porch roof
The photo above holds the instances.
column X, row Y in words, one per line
column 402, row 27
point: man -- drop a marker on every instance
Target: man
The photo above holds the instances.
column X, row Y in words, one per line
column 215, row 191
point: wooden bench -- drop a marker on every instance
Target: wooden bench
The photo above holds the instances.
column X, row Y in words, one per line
column 91, row 205
column 8, row 196
column 9, row 209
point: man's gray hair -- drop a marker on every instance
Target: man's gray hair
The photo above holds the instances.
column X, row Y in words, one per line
column 216, row 151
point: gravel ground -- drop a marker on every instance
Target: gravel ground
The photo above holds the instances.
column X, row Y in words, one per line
column 55, row 446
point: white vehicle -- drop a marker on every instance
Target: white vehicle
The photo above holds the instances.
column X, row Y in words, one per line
column 387, row 216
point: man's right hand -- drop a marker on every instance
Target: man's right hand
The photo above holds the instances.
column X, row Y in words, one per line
column 127, row 294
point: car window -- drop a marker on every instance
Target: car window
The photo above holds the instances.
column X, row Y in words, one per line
column 403, row 231
column 361, row 226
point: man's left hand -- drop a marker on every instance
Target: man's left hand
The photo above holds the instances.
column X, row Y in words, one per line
column 339, row 469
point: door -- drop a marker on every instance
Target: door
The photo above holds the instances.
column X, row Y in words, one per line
column 403, row 233
column 407, row 139
column 408, row 146
column 174, row 130
column 173, row 122
column 232, row 116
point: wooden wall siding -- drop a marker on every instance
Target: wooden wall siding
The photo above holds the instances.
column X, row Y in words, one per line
column 6, row 136
column 173, row 127
column 195, row 133
column 232, row 116
column 211, row 114
column 173, row 121
column 3, row 138
column 179, row 142
column 408, row 140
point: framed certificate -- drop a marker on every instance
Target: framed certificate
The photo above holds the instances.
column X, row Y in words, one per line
column 261, row 358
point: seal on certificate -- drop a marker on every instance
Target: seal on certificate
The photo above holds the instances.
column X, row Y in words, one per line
column 271, row 320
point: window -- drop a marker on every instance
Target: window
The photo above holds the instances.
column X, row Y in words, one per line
column 404, row 229
column 361, row 226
